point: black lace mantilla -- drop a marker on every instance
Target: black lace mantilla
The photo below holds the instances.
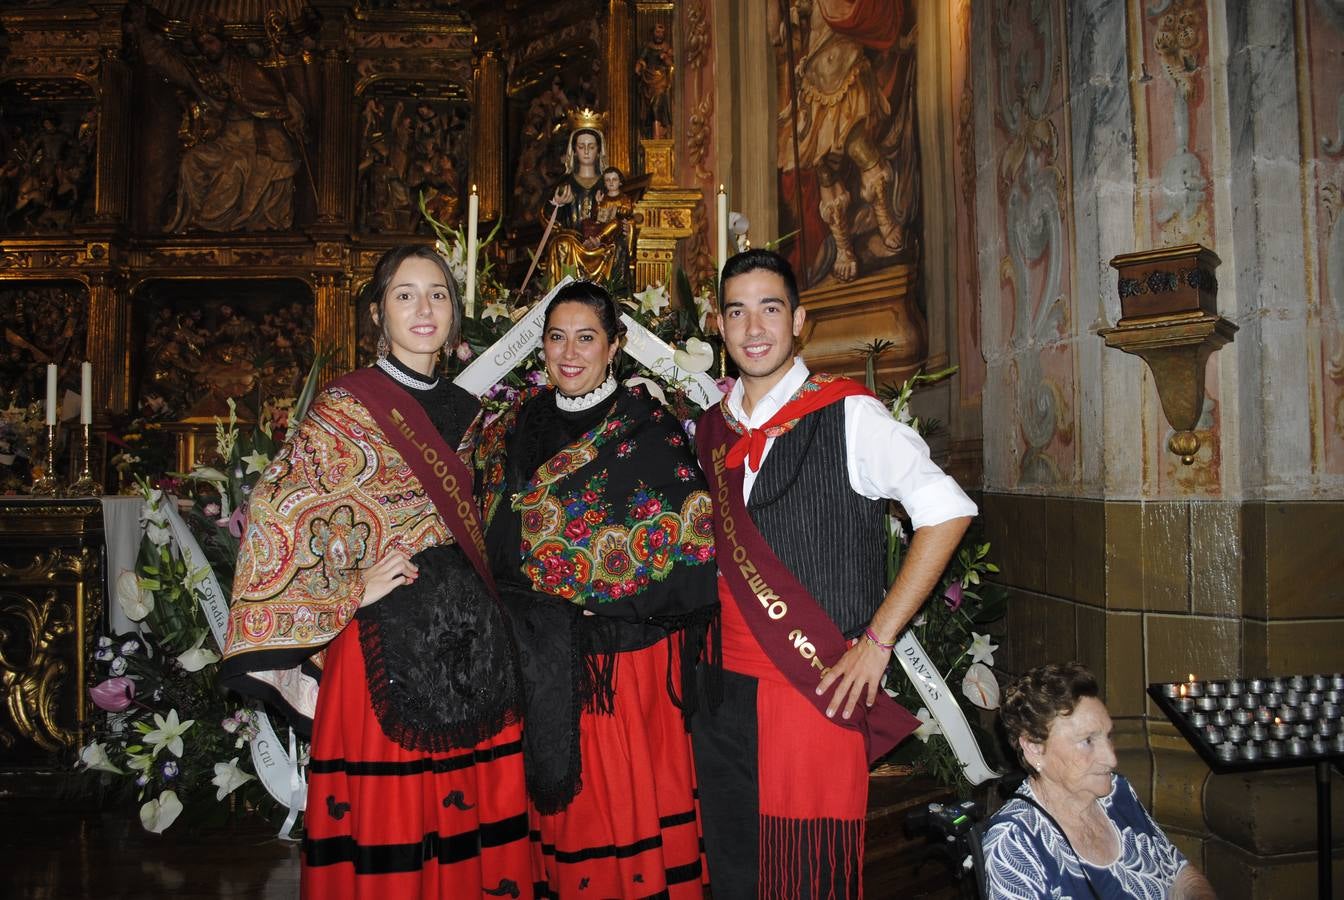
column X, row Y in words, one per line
column 440, row 658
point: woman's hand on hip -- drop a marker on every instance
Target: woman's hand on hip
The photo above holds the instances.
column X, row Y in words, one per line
column 387, row 574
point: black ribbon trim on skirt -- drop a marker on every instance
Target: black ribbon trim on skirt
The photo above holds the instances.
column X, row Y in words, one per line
column 415, row 766
column 385, row 859
column 621, row 851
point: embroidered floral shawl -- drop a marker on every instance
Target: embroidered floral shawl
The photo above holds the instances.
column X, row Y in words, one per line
column 335, row 498
column 607, row 519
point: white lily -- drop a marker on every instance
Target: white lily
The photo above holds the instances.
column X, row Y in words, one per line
column 229, row 777
column 653, row 299
column 139, row 762
column 928, row 725
column 168, row 733
column 495, row 309
column 980, row 686
column 157, row 815
column 256, row 461
column 981, row 649
column 697, row 356
column 95, row 759
column 704, row 305
column 136, row 601
column 197, row 657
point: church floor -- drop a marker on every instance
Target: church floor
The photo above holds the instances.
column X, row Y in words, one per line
column 51, row 852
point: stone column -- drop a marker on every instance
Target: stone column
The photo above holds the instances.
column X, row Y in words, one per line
column 487, row 152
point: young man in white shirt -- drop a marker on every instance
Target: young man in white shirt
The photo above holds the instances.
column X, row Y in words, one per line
column 801, row 467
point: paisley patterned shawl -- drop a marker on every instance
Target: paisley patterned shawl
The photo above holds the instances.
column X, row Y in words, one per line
column 335, row 499
column 608, row 519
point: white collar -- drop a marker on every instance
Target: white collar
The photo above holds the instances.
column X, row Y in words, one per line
column 400, row 377
column 771, row 403
column 588, row 400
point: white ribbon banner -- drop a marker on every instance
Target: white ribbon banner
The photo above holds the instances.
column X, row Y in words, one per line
column 656, row 355
column 277, row 770
column 943, row 706
column 507, row 353
column 658, row 358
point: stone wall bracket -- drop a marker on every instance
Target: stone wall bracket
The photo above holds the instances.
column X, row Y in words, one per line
column 1169, row 319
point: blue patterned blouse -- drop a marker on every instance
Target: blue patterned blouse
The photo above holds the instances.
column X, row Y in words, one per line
column 1027, row 857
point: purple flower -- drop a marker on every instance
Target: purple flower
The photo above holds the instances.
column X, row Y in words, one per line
column 170, row 770
column 952, row 596
column 535, row 377
column 211, row 510
column 131, row 646
column 114, row 694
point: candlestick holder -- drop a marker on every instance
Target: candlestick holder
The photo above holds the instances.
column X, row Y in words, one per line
column 86, row 485
column 47, row 485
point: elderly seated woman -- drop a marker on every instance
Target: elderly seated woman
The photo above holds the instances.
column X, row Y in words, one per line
column 1075, row 828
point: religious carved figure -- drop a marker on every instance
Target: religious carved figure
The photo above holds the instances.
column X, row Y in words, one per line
column 573, row 203
column 46, row 172
column 654, row 67
column 540, row 145
column 405, row 156
column 847, row 117
column 242, row 135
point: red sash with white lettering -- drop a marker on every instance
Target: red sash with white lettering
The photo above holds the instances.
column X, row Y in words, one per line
column 445, row 479
column 787, row 621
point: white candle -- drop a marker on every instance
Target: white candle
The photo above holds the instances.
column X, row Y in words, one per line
column 51, row 393
column 86, row 394
column 473, row 209
column 723, row 227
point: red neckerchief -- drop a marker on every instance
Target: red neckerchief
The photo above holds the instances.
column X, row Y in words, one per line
column 816, row 392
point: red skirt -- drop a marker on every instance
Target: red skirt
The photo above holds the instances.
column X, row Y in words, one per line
column 633, row 830
column 386, row 822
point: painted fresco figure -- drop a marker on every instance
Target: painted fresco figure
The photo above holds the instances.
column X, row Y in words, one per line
column 841, row 113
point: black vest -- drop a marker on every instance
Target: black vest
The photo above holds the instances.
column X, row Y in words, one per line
column 831, row 538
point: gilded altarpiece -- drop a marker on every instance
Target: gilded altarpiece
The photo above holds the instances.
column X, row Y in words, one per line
column 51, row 605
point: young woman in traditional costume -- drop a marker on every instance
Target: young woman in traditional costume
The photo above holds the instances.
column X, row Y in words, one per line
column 362, row 564
column 601, row 539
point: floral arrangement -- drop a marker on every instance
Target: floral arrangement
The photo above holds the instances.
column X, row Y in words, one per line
column 952, row 626
column 676, row 314
column 20, row 436
column 167, row 735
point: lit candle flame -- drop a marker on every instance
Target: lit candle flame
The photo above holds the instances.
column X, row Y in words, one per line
column 1182, row 690
column 1192, row 677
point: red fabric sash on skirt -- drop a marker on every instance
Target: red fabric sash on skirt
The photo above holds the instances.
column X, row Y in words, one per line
column 787, row 621
column 445, row 479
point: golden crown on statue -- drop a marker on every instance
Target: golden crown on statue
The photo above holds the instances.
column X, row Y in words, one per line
column 586, row 118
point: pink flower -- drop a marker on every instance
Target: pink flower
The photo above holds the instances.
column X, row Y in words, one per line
column 952, row 596
column 236, row 521
column 114, row 694
column 463, row 352
column 725, row 384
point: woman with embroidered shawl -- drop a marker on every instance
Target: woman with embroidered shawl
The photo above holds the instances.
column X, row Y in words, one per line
column 362, row 566
column 601, row 539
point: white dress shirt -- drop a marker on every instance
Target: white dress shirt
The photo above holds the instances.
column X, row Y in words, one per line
column 884, row 457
